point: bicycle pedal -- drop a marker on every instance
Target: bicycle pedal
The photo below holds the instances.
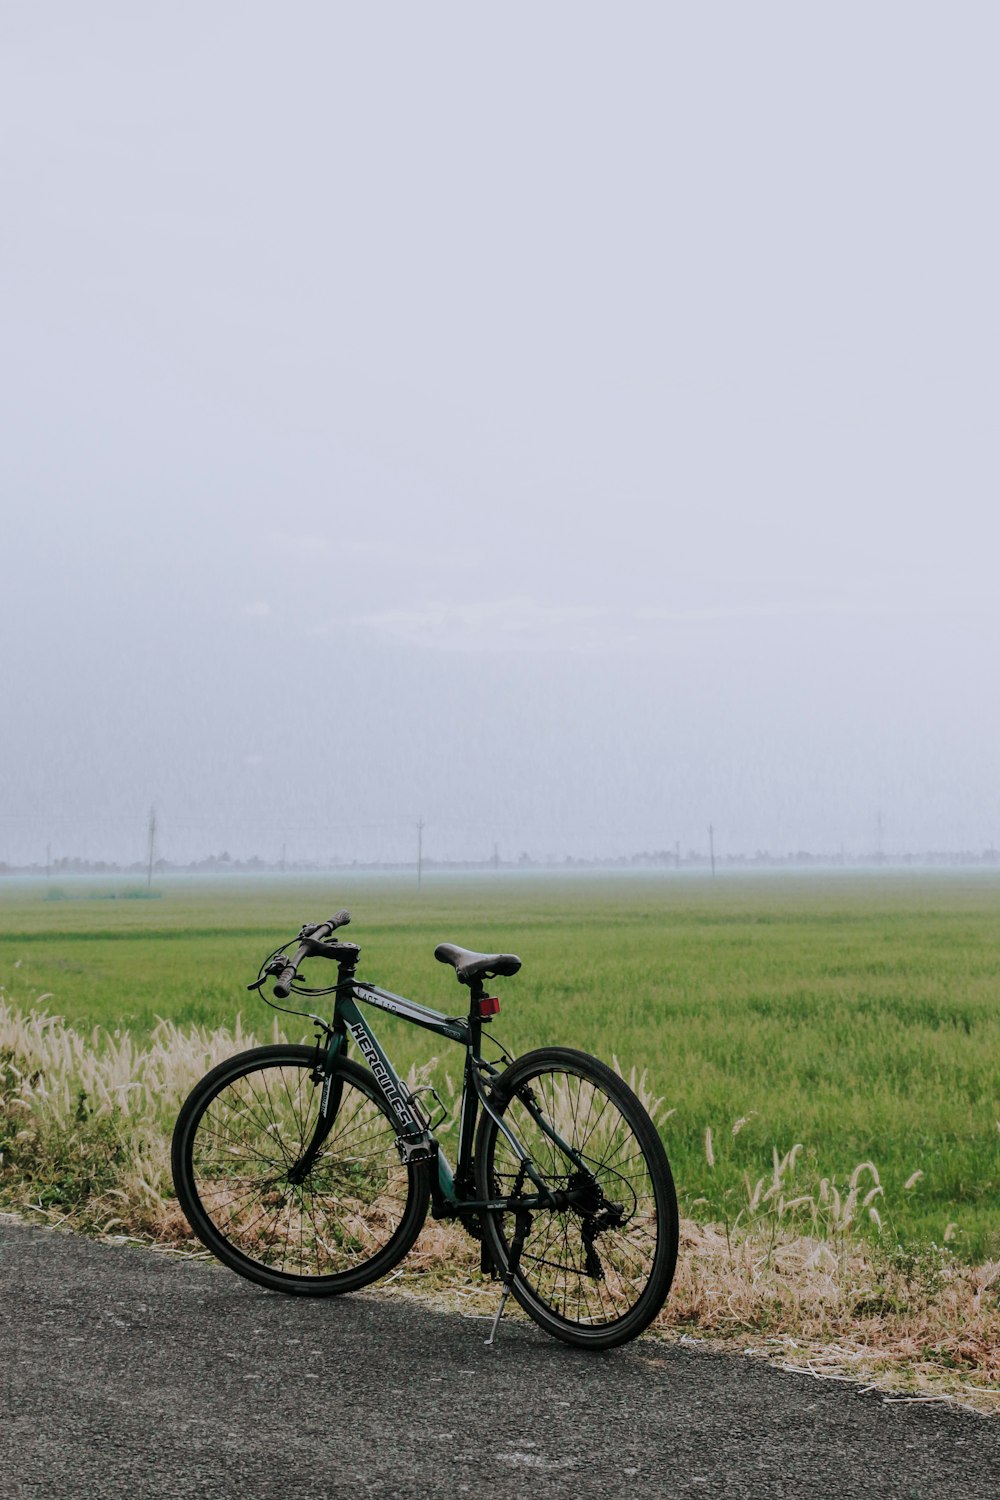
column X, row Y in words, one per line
column 414, row 1149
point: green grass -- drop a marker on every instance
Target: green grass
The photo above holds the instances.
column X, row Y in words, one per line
column 859, row 1015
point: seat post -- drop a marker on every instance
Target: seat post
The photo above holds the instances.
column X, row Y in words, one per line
column 476, row 993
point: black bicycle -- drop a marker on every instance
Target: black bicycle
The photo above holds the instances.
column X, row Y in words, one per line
column 309, row 1173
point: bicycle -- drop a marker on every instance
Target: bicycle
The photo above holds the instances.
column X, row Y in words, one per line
column 308, row 1173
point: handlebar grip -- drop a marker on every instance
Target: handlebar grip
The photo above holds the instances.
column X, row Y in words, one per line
column 340, row 918
column 283, row 983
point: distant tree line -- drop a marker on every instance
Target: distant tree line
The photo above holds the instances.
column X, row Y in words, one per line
column 656, row 859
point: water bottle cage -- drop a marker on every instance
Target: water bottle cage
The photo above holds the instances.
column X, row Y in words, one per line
column 422, row 1113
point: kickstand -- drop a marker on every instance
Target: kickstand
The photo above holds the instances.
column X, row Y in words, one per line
column 522, row 1229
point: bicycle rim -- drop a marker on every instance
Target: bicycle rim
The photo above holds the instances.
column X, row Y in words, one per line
column 594, row 1276
column 237, row 1140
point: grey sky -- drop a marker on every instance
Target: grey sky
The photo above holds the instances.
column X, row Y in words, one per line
column 574, row 424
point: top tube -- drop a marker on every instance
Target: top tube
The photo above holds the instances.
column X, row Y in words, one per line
column 411, row 1010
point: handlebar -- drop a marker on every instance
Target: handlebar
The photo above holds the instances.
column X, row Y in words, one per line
column 311, row 942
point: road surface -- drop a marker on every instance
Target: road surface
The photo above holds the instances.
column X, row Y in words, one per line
column 130, row 1374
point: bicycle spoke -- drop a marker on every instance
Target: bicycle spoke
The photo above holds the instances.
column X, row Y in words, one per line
column 587, row 1288
column 350, row 1204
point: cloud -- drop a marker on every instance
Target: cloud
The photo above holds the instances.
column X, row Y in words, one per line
column 522, row 624
column 258, row 610
column 517, row 624
column 777, row 611
column 299, row 544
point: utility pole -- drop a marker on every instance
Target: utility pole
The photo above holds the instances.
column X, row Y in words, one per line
column 420, row 849
column 677, row 853
column 48, row 861
column 496, row 856
column 283, row 859
column 711, row 847
column 152, row 847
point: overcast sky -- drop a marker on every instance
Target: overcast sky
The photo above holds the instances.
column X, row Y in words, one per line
column 572, row 424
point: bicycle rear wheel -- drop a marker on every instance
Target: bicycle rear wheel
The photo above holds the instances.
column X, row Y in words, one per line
column 236, row 1143
column 594, row 1275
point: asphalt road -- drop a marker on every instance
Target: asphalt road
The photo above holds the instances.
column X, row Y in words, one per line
column 129, row 1374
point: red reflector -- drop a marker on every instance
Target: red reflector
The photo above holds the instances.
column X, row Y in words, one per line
column 488, row 1006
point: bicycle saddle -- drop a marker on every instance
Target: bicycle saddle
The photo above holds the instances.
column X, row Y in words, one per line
column 469, row 966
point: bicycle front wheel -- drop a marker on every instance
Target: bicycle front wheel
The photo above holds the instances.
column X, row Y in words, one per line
column 237, row 1144
column 594, row 1274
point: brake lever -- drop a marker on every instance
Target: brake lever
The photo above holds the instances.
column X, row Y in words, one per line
column 274, row 966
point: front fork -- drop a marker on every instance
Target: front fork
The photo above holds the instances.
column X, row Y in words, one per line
column 333, row 1090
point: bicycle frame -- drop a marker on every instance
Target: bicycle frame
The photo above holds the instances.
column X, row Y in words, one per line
column 451, row 1190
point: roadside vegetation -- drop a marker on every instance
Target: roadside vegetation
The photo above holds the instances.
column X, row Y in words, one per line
column 823, row 1061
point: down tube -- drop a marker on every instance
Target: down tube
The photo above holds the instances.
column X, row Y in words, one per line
column 382, row 1070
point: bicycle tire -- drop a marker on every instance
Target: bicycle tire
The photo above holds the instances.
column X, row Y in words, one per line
column 598, row 1115
column 242, row 1127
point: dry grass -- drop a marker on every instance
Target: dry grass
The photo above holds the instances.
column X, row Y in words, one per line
column 911, row 1323
column 85, row 1121
column 782, row 1270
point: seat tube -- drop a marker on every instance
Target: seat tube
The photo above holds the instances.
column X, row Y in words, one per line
column 470, row 1100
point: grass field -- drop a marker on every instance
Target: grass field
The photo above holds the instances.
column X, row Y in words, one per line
column 856, row 1015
